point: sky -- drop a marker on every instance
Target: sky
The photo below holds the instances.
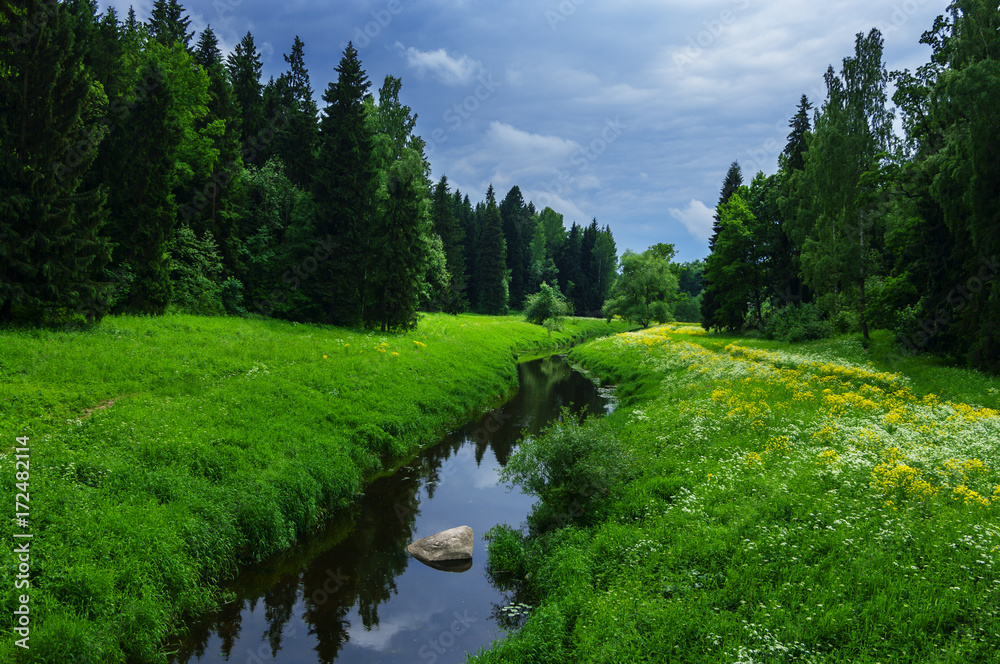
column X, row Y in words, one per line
column 627, row 111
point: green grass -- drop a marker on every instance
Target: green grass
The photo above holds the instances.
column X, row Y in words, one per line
column 166, row 451
column 768, row 520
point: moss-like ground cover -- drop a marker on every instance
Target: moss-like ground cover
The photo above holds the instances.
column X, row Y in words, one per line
column 807, row 503
column 165, row 451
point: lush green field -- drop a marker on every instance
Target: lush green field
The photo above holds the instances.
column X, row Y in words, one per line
column 775, row 503
column 163, row 451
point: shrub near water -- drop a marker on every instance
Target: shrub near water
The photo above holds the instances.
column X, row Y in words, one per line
column 792, row 507
column 165, row 451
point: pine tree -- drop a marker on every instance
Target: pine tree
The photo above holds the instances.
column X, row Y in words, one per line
column 168, row 23
column 244, row 65
column 344, row 190
column 492, row 261
column 51, row 246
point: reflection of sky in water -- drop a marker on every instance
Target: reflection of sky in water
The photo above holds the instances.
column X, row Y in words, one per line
column 429, row 604
column 422, row 614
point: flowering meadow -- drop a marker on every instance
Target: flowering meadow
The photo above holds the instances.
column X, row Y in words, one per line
column 790, row 504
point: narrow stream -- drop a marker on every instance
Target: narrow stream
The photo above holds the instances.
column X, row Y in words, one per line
column 353, row 593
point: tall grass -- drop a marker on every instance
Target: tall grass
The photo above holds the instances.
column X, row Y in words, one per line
column 166, row 451
column 795, row 504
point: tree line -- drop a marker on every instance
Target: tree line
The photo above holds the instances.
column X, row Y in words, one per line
column 863, row 229
column 141, row 171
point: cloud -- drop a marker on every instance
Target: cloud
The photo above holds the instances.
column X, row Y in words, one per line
column 447, row 69
column 697, row 218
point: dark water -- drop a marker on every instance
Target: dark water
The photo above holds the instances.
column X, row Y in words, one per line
column 354, row 594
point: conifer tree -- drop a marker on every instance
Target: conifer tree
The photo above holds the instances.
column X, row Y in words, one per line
column 344, row 190
column 296, row 142
column 452, row 237
column 397, row 250
column 733, row 181
column 492, row 262
column 244, row 66
column 214, row 206
column 515, row 232
column 51, row 245
column 796, row 147
column 168, row 24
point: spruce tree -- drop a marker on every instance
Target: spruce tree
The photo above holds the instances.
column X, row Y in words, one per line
column 733, row 181
column 568, row 262
column 344, row 190
column 206, row 52
column 452, row 237
column 214, row 206
column 588, row 269
column 492, row 261
column 168, row 24
column 244, row 65
column 512, row 214
column 396, row 261
column 296, row 142
column 51, row 245
column 796, row 147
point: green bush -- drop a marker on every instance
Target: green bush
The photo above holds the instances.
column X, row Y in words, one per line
column 571, row 466
column 548, row 304
column 797, row 324
column 195, row 270
column 507, row 555
column 688, row 309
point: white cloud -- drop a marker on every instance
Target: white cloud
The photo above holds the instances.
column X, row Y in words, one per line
column 449, row 70
column 536, row 147
column 697, row 218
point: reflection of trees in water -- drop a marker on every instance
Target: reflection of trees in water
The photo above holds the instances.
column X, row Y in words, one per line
column 278, row 603
column 361, row 569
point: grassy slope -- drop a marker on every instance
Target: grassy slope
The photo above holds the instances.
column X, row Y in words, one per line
column 226, row 439
column 792, row 505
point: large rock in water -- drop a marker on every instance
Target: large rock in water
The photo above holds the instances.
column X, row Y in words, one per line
column 449, row 549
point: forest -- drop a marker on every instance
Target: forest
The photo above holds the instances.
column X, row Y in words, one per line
column 144, row 172
column 861, row 228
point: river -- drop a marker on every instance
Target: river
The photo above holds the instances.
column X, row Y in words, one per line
column 353, row 594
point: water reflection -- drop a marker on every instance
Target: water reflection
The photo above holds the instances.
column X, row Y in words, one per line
column 353, row 594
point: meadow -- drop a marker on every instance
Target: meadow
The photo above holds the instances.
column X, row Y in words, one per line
column 164, row 452
column 770, row 503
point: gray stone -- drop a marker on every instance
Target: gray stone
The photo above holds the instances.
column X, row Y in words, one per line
column 448, row 546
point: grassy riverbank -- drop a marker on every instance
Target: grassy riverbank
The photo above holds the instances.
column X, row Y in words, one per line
column 164, row 451
column 776, row 504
